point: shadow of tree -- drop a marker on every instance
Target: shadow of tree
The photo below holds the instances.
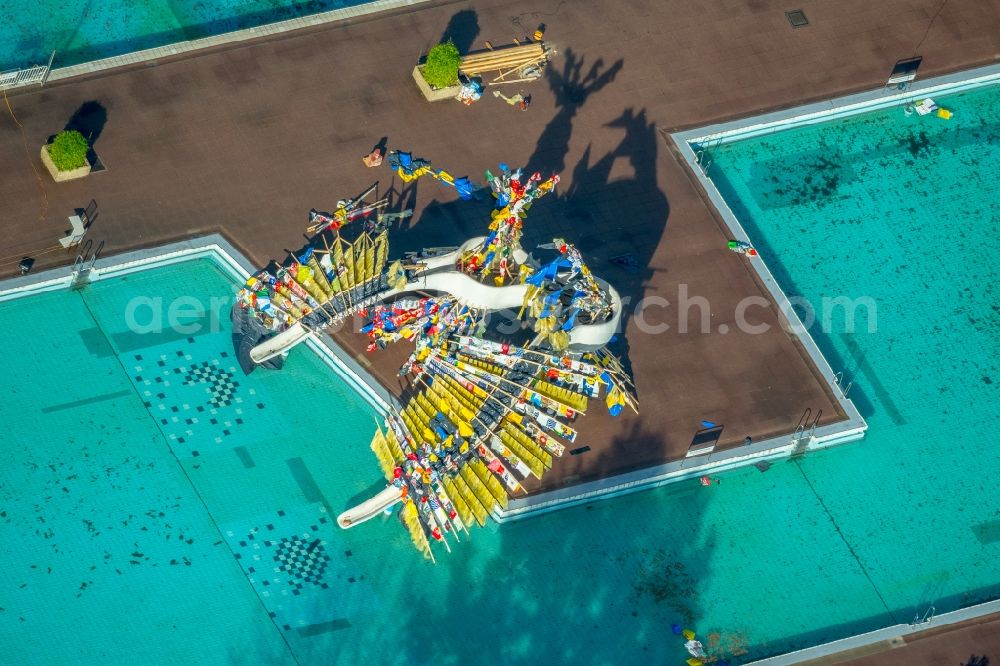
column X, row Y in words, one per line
column 853, row 363
column 598, row 583
column 616, row 223
column 89, row 120
column 462, row 29
column 608, row 219
column 572, row 88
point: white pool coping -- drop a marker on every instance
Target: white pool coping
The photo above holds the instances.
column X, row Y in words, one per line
column 231, row 261
column 267, row 30
column 851, row 429
column 894, row 636
column 838, row 107
column 647, row 478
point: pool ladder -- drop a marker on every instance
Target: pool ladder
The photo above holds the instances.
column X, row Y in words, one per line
column 83, row 265
column 703, row 157
column 926, row 618
column 838, row 380
column 805, row 431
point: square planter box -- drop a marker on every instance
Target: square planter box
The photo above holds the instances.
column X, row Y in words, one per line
column 60, row 176
column 434, row 94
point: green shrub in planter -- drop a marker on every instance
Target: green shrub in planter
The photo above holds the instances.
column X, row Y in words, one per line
column 69, row 150
column 441, row 68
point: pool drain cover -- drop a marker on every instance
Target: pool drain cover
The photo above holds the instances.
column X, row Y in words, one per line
column 797, row 18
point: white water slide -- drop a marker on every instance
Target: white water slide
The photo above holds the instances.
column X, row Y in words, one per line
column 280, row 343
column 583, row 337
column 370, row 508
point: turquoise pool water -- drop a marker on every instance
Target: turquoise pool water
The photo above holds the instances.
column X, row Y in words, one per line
column 139, row 466
column 905, row 211
column 84, row 30
column 830, row 544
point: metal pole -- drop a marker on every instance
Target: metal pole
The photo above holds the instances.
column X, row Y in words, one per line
column 48, row 68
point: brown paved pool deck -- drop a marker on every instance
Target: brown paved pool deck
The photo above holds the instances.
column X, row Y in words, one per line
column 244, row 139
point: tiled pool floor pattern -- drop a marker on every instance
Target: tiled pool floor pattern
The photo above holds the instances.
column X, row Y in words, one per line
column 108, row 512
column 297, row 564
column 105, row 544
column 203, row 394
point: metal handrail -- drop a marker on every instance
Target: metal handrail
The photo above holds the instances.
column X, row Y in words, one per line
column 925, row 618
column 797, row 435
column 97, row 253
column 81, row 257
column 804, row 419
column 812, row 428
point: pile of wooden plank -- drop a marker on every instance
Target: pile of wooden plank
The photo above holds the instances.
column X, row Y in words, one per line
column 512, row 64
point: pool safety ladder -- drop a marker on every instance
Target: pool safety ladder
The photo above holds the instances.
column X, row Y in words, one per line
column 83, row 265
column 926, row 618
column 800, row 427
column 805, row 431
column 703, row 157
column 838, row 380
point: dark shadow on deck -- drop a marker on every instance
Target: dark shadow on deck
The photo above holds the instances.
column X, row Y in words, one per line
column 462, row 30
column 89, row 120
column 902, row 615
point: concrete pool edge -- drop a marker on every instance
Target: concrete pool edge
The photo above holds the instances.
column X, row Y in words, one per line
column 648, row 478
column 234, row 37
column 836, row 107
column 227, row 258
column 893, row 636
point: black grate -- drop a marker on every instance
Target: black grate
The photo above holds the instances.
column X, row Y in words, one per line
column 797, row 18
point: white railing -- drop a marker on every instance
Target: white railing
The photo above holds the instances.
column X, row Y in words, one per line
column 23, row 77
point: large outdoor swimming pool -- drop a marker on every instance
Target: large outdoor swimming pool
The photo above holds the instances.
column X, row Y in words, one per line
column 157, row 506
column 84, row 30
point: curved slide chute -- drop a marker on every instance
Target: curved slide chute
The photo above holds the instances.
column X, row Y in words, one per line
column 471, row 292
column 370, row 507
column 438, row 274
column 584, row 337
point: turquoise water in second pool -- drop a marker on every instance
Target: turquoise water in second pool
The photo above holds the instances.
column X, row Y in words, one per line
column 899, row 214
column 83, row 30
column 155, row 505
